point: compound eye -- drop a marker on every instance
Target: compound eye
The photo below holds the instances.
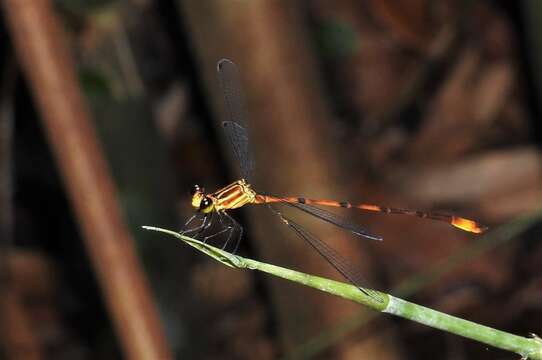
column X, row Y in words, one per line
column 195, row 189
column 206, row 205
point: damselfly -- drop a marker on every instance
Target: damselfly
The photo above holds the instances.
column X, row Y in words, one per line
column 215, row 205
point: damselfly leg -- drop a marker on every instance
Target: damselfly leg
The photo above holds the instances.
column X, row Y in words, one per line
column 186, row 229
column 206, row 221
column 230, row 230
column 236, row 237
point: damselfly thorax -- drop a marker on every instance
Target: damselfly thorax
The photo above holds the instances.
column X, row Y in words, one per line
column 233, row 196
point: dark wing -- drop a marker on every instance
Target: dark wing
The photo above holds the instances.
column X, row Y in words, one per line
column 238, row 138
column 349, row 272
column 236, row 134
column 335, row 220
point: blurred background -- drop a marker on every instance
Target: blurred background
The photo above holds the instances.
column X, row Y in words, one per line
column 110, row 111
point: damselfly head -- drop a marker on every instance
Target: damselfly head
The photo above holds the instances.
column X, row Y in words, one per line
column 197, row 193
column 206, row 205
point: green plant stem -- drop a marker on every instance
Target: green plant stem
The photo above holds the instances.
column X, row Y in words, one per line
column 528, row 348
column 498, row 237
column 374, row 299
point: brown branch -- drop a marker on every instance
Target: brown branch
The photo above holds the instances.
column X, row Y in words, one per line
column 48, row 66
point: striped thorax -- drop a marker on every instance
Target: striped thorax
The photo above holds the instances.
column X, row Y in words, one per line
column 233, row 196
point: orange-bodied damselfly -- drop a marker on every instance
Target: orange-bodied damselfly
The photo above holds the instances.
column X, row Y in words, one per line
column 210, row 206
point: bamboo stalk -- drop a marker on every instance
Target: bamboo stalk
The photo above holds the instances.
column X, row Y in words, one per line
column 44, row 56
